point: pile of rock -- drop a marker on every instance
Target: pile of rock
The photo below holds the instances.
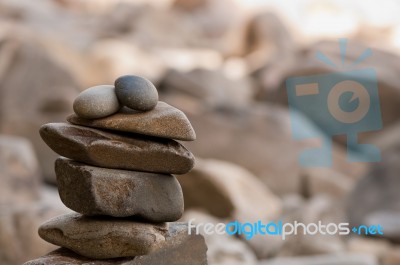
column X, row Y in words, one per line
column 120, row 155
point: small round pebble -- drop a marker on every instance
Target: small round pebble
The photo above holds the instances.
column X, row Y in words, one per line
column 136, row 92
column 97, row 102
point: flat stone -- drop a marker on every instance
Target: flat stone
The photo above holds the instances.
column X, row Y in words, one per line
column 105, row 238
column 136, row 92
column 97, row 102
column 119, row 193
column 109, row 150
column 180, row 248
column 163, row 121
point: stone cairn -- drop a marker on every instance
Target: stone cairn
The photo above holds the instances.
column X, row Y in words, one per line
column 118, row 156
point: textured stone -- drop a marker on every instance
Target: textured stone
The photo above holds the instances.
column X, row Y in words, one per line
column 136, row 92
column 99, row 191
column 103, row 237
column 97, row 102
column 104, row 149
column 111, row 238
column 179, row 249
column 163, row 121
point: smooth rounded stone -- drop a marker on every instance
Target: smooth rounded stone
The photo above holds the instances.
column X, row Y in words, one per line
column 97, row 102
column 110, row 150
column 119, row 193
column 163, row 121
column 103, row 237
column 136, row 92
column 180, row 248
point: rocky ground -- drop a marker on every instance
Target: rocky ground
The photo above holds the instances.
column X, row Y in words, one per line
column 227, row 74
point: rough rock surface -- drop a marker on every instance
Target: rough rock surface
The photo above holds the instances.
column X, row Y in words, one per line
column 164, row 243
column 103, row 237
column 104, row 149
column 119, row 193
column 163, row 121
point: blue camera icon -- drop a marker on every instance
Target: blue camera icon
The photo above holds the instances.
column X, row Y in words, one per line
column 344, row 103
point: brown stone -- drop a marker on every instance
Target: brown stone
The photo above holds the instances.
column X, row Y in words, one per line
column 164, row 121
column 103, row 149
column 103, row 237
column 119, row 193
column 161, row 243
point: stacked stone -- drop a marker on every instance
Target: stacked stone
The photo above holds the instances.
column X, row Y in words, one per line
column 118, row 156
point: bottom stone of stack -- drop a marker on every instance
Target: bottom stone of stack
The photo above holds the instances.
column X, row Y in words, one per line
column 107, row 237
column 180, row 248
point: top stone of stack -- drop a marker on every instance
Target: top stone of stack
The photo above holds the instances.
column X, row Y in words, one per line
column 131, row 106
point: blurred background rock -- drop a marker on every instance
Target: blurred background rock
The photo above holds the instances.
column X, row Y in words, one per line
column 224, row 63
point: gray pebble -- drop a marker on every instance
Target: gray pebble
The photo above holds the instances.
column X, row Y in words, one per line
column 97, row 102
column 136, row 92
